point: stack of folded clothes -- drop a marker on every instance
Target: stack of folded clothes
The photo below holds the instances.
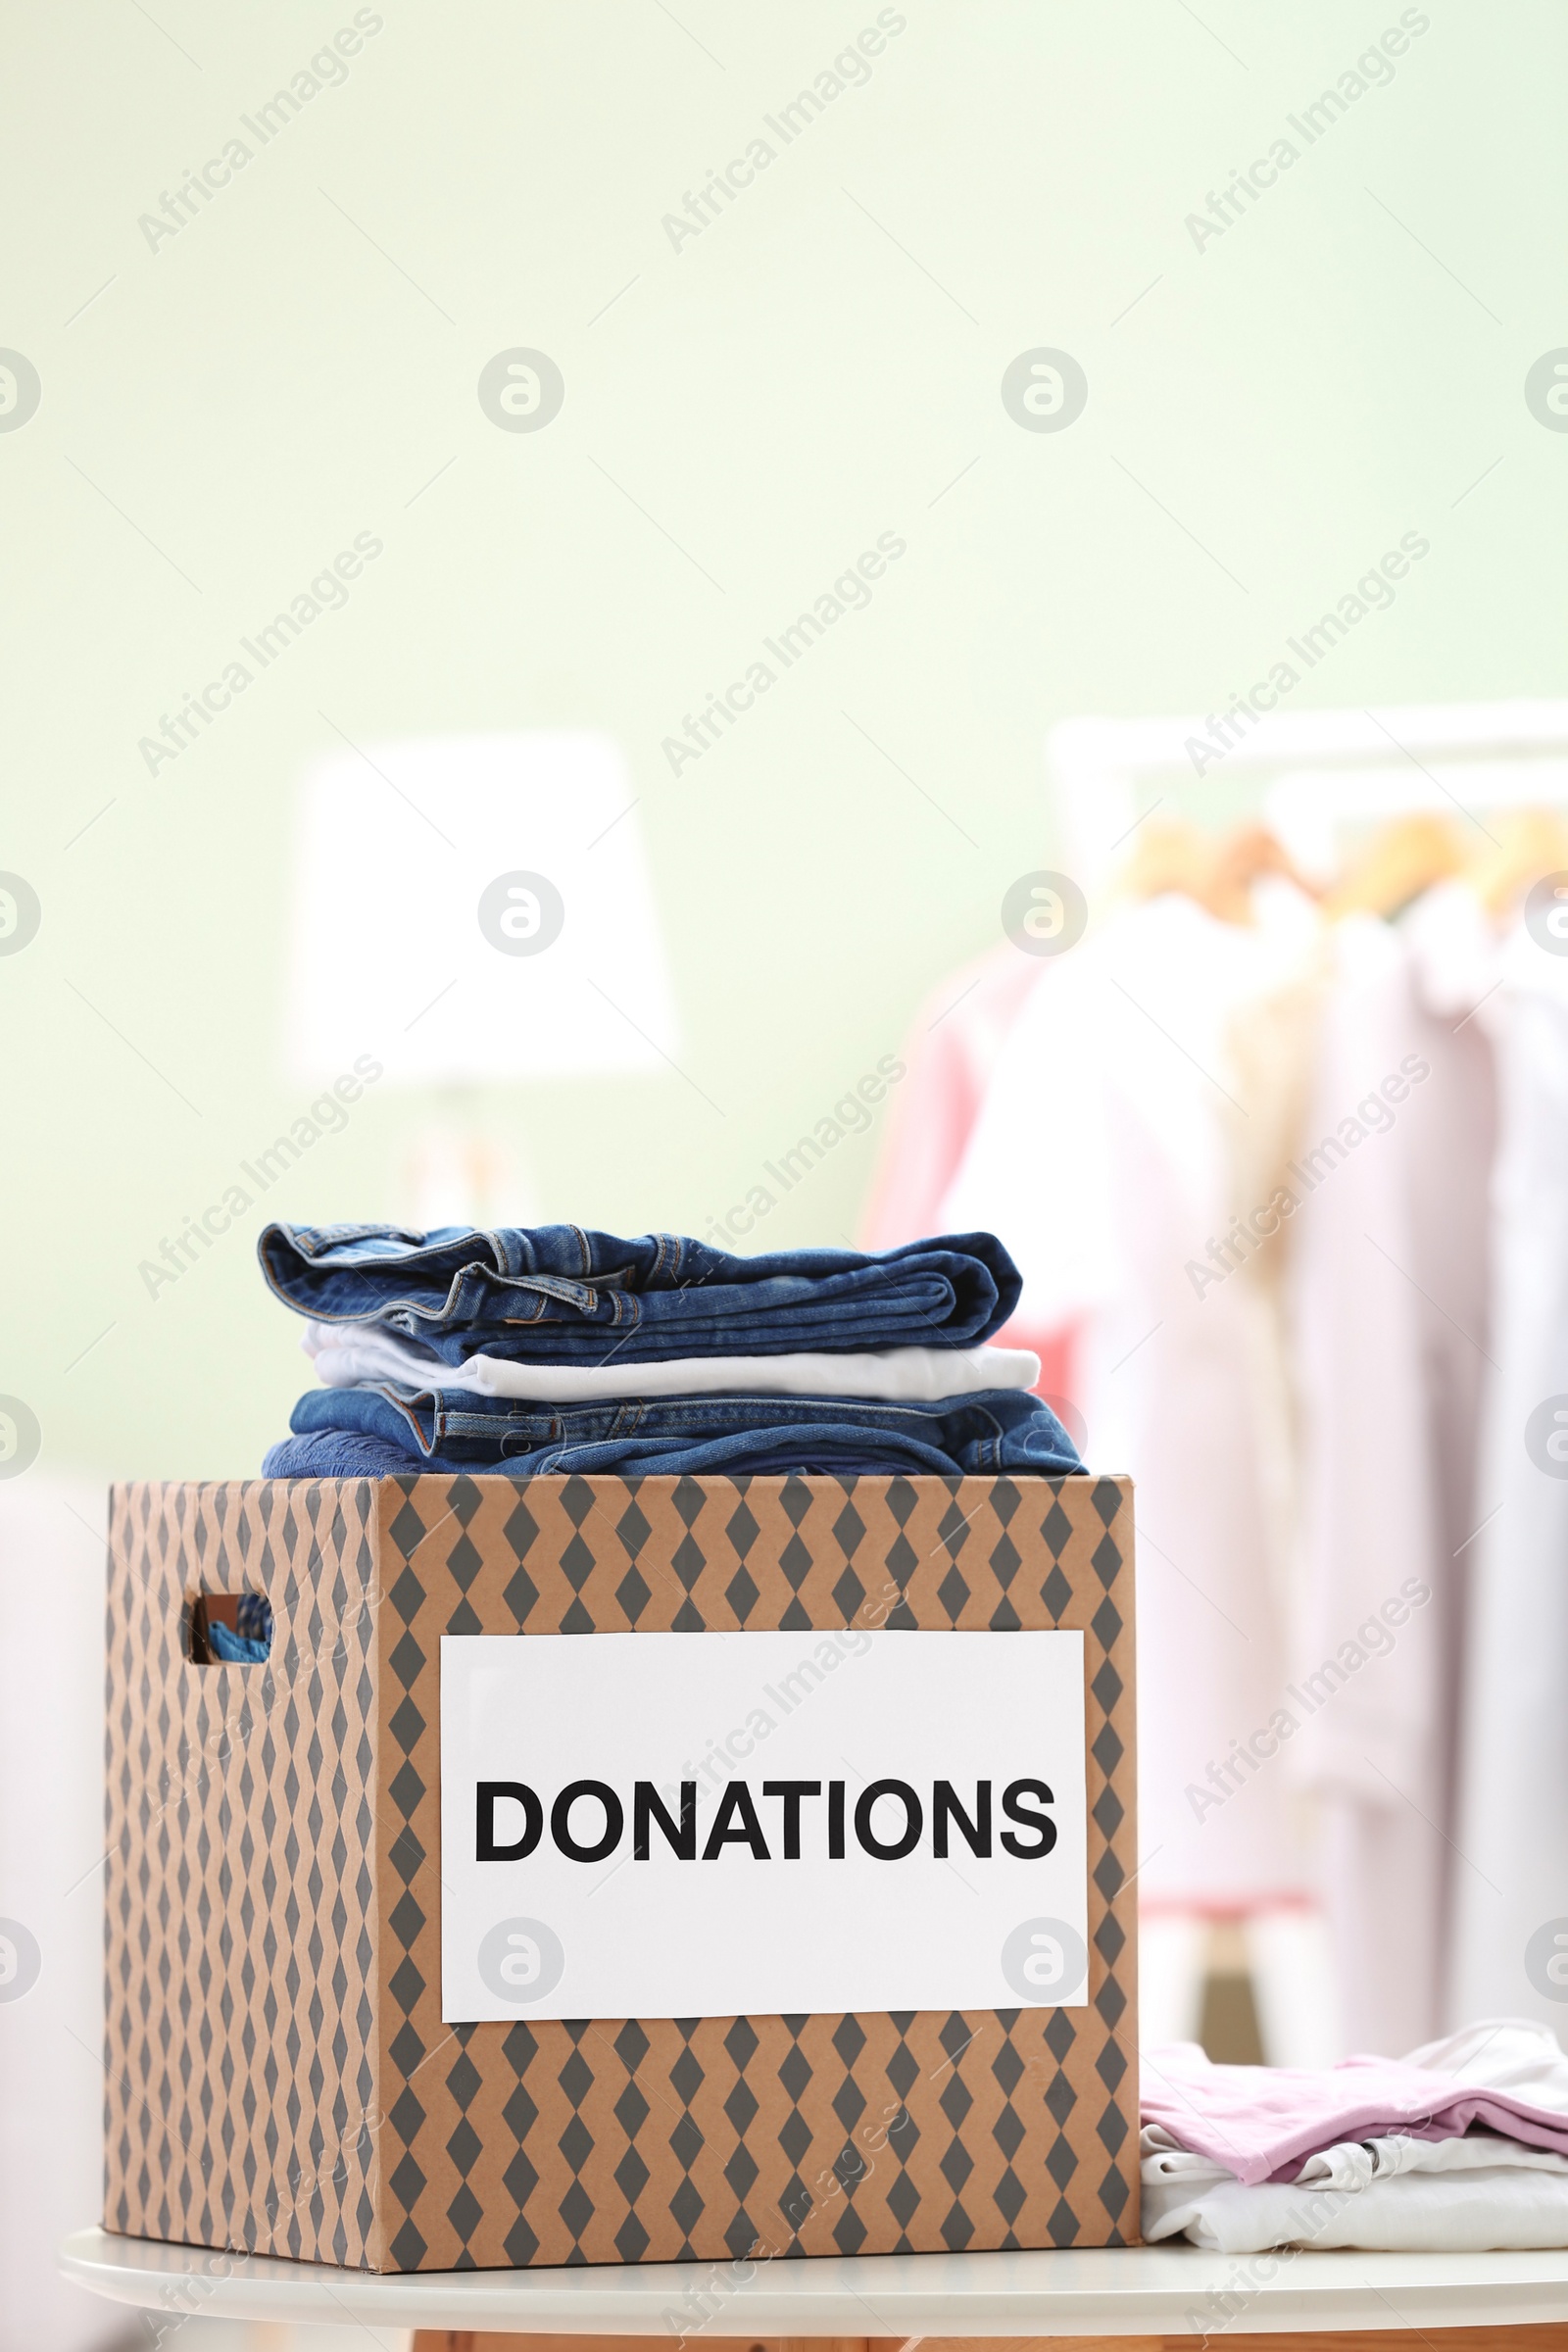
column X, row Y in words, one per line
column 1462, row 2147
column 559, row 1350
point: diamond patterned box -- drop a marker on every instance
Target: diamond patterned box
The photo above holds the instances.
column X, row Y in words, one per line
column 278, row 2078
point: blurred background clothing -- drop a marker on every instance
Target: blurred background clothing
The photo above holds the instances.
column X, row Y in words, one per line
column 1511, row 1873
column 1103, row 1147
column 1288, row 1225
column 1391, row 1304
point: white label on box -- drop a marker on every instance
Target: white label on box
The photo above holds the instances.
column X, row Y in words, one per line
column 707, row 1824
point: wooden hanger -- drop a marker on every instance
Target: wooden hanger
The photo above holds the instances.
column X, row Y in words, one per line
column 1169, row 856
column 1250, row 852
column 1526, row 844
column 1400, row 861
column 1216, row 871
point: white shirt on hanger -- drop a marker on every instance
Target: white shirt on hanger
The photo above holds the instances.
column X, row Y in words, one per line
column 1389, row 1292
column 1512, row 1835
column 1103, row 1155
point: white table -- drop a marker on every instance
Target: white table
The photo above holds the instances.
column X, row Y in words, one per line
column 1145, row 2291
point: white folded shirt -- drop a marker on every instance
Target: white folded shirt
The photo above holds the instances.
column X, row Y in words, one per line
column 1463, row 2195
column 347, row 1354
column 1392, row 2193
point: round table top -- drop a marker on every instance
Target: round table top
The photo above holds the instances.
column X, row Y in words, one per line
column 1139, row 2290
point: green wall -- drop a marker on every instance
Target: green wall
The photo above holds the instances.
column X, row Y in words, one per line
column 1268, row 409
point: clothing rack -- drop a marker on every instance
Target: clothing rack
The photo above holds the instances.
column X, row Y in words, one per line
column 1316, row 771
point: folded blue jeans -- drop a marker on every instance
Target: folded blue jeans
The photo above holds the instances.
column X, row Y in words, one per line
column 345, row 1453
column 561, row 1293
column 453, row 1430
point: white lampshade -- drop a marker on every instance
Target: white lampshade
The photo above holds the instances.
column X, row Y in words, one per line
column 397, row 845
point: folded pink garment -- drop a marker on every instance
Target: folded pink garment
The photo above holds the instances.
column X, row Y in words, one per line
column 1260, row 2121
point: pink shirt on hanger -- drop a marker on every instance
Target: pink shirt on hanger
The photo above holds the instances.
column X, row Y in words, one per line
column 951, row 1051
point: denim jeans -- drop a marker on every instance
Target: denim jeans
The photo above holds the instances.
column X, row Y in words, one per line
column 345, row 1453
column 453, row 1430
column 557, row 1294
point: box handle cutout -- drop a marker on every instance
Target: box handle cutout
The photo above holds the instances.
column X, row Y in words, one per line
column 230, row 1628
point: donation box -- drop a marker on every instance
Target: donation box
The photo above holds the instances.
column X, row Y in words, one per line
column 622, row 1870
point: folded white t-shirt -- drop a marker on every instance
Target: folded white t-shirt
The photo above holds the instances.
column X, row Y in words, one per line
column 347, row 1354
column 1463, row 2195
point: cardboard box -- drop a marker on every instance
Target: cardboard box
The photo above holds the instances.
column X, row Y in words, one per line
column 278, row 2076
